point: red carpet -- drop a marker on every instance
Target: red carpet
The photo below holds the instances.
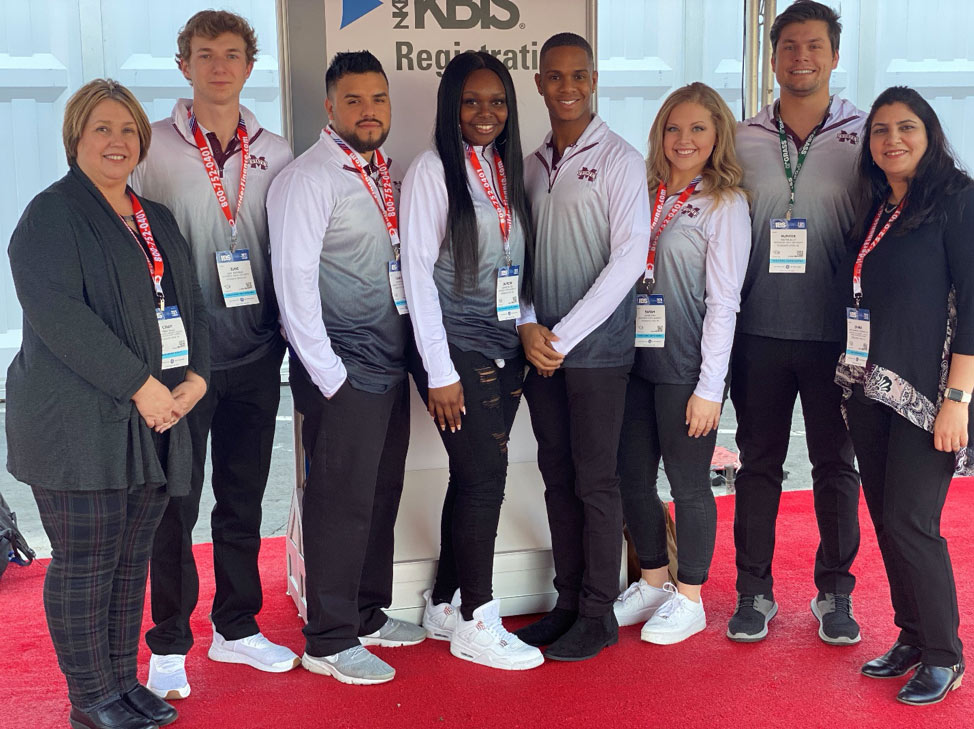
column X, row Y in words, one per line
column 790, row 680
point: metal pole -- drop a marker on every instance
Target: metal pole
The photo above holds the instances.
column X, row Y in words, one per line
column 767, row 75
column 753, row 53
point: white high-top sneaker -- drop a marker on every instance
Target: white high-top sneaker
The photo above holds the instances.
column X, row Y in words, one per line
column 441, row 620
column 484, row 640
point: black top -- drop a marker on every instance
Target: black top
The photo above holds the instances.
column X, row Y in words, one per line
column 90, row 340
column 906, row 280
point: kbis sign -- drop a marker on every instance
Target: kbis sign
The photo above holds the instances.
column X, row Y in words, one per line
column 446, row 14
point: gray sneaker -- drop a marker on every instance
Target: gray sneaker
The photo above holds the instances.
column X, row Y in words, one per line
column 353, row 665
column 836, row 625
column 750, row 620
column 395, row 633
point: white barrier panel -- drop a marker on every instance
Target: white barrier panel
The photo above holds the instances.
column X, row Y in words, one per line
column 414, row 40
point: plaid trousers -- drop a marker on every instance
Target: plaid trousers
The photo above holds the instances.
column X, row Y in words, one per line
column 94, row 591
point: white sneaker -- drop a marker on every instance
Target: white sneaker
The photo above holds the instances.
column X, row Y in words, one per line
column 254, row 651
column 167, row 676
column 441, row 620
column 676, row 620
column 640, row 600
column 484, row 640
column 353, row 665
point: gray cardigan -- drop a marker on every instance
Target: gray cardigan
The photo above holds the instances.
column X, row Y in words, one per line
column 90, row 340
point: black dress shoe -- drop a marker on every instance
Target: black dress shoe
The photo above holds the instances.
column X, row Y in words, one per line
column 585, row 639
column 549, row 628
column 931, row 684
column 150, row 706
column 897, row 661
column 113, row 715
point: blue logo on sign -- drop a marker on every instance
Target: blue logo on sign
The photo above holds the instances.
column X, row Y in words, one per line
column 352, row 10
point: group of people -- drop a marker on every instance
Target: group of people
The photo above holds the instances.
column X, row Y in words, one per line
column 811, row 250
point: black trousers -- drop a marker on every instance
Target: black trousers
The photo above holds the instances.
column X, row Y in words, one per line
column 766, row 377
column 94, row 590
column 905, row 481
column 238, row 414
column 655, row 427
column 576, row 415
column 356, row 445
column 478, row 473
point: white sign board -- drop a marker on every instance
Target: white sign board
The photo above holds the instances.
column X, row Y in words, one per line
column 415, row 39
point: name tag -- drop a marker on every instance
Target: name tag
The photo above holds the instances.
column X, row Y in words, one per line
column 508, row 303
column 236, row 278
column 650, row 320
column 856, row 336
column 789, row 245
column 175, row 346
column 397, row 287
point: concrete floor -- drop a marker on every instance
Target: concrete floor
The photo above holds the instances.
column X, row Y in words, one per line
column 277, row 498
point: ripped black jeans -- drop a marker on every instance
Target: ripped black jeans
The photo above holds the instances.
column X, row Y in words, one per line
column 478, row 472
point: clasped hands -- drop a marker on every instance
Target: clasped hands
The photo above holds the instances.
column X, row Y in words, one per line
column 161, row 408
column 536, row 341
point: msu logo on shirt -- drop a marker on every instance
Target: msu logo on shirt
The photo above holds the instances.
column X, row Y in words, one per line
column 586, row 174
column 690, row 211
column 850, row 137
column 258, row 163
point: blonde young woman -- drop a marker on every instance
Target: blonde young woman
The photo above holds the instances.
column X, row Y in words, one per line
column 687, row 310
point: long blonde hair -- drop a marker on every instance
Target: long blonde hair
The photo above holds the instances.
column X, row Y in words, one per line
column 723, row 173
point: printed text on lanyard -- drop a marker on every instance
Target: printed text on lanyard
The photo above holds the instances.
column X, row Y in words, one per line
column 500, row 205
column 213, row 172
column 657, row 212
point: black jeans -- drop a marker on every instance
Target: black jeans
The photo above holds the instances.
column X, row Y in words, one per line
column 576, row 415
column 478, row 473
column 356, row 446
column 238, row 414
column 766, row 377
column 905, row 481
column 655, row 427
column 94, row 590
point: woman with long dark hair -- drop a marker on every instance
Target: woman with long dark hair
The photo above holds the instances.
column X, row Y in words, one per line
column 908, row 371
column 466, row 254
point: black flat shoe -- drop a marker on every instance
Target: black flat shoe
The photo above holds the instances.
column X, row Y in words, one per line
column 113, row 715
column 585, row 639
column 150, row 706
column 549, row 628
column 897, row 661
column 931, row 684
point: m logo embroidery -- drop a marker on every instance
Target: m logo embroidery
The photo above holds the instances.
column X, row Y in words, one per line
column 586, row 174
column 258, row 163
column 850, row 137
column 690, row 211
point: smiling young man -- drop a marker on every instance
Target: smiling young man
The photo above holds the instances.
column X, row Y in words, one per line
column 590, row 206
column 335, row 252
column 799, row 155
column 211, row 163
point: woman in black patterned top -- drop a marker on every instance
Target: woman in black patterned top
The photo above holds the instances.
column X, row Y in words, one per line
column 908, row 372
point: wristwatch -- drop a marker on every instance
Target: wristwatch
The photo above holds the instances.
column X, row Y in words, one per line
column 957, row 395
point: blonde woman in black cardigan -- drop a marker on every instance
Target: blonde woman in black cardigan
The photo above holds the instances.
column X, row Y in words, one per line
column 115, row 352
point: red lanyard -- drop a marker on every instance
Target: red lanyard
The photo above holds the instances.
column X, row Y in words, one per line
column 156, row 265
column 657, row 212
column 387, row 205
column 868, row 245
column 500, row 206
column 213, row 172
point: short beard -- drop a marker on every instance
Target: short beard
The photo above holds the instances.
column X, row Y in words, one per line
column 362, row 146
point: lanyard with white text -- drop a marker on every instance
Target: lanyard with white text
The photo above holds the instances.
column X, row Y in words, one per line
column 868, row 245
column 500, row 206
column 792, row 176
column 657, row 212
column 387, row 205
column 213, row 172
column 156, row 265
